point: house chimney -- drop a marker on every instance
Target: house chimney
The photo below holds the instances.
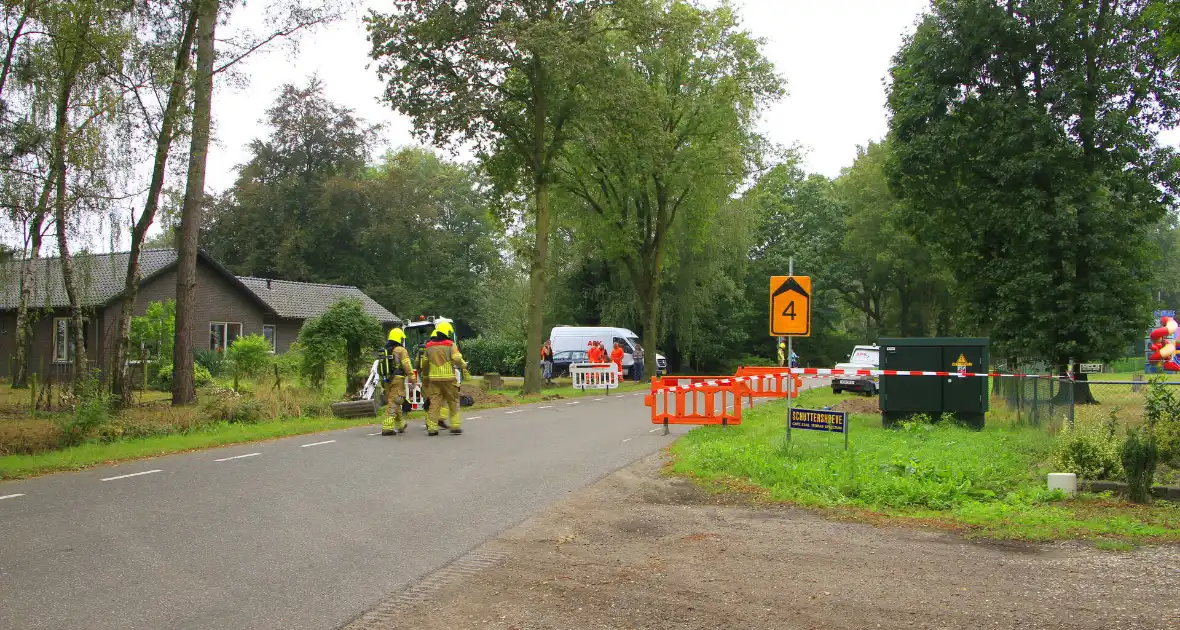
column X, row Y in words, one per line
column 268, row 284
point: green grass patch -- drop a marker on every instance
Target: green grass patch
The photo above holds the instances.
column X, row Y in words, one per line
column 206, row 436
column 989, row 483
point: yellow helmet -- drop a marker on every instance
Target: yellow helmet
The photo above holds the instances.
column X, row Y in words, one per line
column 444, row 328
column 398, row 335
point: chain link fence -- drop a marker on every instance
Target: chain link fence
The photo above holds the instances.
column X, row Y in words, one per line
column 1053, row 403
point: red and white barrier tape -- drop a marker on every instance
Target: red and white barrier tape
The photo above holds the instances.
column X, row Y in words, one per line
column 842, row 372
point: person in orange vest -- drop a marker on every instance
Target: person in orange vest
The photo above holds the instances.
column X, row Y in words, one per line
column 616, row 357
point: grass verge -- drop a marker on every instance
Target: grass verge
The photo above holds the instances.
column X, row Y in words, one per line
column 206, row 436
column 987, row 483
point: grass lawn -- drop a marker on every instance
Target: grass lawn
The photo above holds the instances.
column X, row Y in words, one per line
column 987, row 483
column 206, row 436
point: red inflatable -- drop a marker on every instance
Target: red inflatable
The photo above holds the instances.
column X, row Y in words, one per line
column 1163, row 347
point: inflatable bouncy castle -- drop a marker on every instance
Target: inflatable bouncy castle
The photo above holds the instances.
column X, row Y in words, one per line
column 1163, row 350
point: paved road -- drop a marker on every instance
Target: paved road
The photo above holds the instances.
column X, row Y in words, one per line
column 295, row 533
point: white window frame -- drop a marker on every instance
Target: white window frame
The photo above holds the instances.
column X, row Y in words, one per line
column 274, row 335
column 66, row 355
column 225, row 335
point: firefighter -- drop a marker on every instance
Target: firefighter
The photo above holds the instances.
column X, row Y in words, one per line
column 394, row 368
column 616, row 357
column 439, row 361
column 782, row 352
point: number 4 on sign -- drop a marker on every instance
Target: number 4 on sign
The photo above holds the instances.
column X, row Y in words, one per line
column 790, row 306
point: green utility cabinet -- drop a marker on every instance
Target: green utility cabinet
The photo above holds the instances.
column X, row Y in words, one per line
column 964, row 397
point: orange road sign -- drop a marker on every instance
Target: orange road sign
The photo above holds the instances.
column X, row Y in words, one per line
column 790, row 306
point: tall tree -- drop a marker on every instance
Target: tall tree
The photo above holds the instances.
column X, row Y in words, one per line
column 671, row 135
column 186, row 17
column 504, row 76
column 1024, row 137
column 183, row 384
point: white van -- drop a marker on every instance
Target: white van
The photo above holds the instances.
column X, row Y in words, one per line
column 573, row 339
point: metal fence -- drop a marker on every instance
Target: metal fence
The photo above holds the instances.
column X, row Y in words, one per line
column 1054, row 403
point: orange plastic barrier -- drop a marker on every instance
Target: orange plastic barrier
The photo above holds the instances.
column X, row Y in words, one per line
column 768, row 382
column 695, row 400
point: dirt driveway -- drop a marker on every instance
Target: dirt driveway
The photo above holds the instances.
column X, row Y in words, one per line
column 638, row 550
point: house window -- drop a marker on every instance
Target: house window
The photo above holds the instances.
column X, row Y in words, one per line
column 268, row 331
column 223, row 334
column 63, row 339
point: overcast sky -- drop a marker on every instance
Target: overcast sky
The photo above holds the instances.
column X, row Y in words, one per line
column 834, row 55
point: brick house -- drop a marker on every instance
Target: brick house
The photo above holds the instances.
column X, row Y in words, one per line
column 227, row 306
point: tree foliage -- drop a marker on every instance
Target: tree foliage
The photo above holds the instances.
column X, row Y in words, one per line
column 344, row 333
column 1024, row 142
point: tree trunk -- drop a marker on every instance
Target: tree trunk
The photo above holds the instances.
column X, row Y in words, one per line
column 20, row 374
column 60, row 128
column 651, row 318
column 536, row 308
column 183, row 388
column 120, row 378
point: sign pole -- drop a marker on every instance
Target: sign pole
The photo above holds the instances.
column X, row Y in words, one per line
column 790, row 351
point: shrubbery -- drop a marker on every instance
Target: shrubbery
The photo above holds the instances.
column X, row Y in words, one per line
column 249, row 357
column 92, row 408
column 201, row 376
column 493, row 355
column 1092, row 453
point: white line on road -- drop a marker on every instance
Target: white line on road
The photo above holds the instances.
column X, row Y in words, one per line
column 11, row 496
column 599, row 399
column 474, row 417
column 627, row 440
column 655, row 429
column 639, row 394
column 146, row 472
column 377, row 433
column 226, row 459
column 517, row 411
column 572, row 403
column 316, row 443
column 545, row 407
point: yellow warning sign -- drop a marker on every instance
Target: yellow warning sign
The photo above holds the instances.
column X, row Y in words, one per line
column 790, row 306
column 962, row 362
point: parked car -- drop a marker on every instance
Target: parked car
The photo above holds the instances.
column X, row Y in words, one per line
column 862, row 358
column 564, row 359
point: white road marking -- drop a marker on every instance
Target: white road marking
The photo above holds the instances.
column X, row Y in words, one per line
column 572, row 403
column 146, row 472
column 377, row 433
column 545, row 407
column 639, row 394
column 517, row 411
column 599, row 399
column 11, row 496
column 627, row 440
column 226, row 459
column 655, row 429
column 474, row 417
column 316, row 443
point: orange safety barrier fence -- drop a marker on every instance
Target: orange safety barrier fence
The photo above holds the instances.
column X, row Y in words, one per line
column 695, row 400
column 769, row 382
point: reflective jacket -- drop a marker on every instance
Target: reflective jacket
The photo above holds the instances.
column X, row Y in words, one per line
column 440, row 360
column 391, row 360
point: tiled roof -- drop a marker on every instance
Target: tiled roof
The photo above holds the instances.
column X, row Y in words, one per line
column 301, row 300
column 99, row 278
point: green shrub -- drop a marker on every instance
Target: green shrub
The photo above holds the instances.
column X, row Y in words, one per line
column 212, row 360
column 249, row 357
column 201, row 376
column 91, row 409
column 343, row 334
column 1091, row 453
column 493, row 355
column 1161, row 413
column 1139, row 459
column 155, row 330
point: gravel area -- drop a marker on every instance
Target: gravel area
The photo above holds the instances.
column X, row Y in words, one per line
column 640, row 550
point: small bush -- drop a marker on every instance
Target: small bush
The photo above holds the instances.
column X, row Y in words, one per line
column 90, row 411
column 226, row 405
column 212, row 360
column 201, row 376
column 1091, row 453
column 1161, row 413
column 249, row 357
column 1139, row 460
column 494, row 355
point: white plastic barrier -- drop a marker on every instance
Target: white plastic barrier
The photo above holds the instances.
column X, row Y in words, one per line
column 595, row 376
